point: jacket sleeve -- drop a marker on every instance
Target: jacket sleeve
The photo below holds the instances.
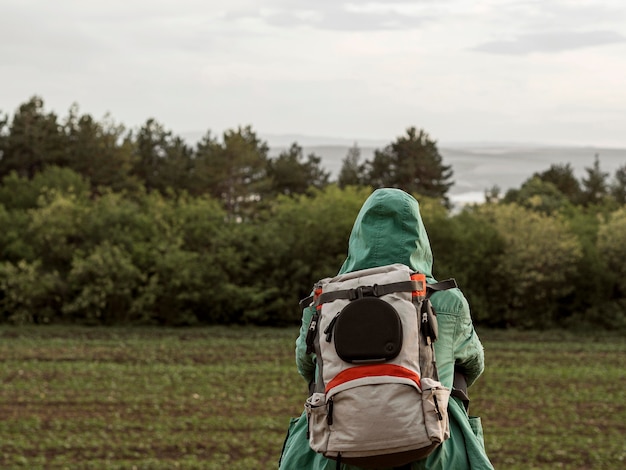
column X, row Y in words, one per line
column 305, row 362
column 468, row 350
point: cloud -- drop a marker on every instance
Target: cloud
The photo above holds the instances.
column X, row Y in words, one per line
column 338, row 16
column 550, row 42
column 29, row 42
column 329, row 67
column 570, row 16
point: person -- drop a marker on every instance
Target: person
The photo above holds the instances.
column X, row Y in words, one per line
column 389, row 229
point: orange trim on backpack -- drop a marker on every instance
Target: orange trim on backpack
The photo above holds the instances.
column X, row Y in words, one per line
column 375, row 370
column 316, row 293
column 421, row 279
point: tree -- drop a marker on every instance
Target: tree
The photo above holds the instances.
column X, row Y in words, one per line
column 411, row 163
column 104, row 283
column 562, row 177
column 4, row 134
column 612, row 246
column 380, row 171
column 595, row 185
column 533, row 272
column 538, row 195
column 102, row 152
column 290, row 174
column 492, row 194
column 611, row 243
column 205, row 177
column 28, row 293
column 295, row 242
column 618, row 185
column 22, row 194
column 57, row 230
column 235, row 170
column 466, row 248
column 162, row 160
column 352, row 171
column 33, row 140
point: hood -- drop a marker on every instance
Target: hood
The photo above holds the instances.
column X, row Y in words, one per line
column 387, row 230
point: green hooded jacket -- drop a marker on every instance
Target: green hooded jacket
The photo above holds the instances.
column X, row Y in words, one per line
column 387, row 230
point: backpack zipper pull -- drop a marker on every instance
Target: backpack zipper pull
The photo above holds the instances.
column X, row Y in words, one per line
column 310, row 334
column 426, row 328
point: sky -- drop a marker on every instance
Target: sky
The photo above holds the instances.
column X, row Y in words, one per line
column 523, row 71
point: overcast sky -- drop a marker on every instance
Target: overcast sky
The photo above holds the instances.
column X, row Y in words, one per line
column 538, row 71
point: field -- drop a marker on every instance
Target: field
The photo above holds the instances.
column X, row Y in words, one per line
column 216, row 398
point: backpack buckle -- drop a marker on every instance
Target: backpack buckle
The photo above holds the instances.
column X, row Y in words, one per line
column 364, row 291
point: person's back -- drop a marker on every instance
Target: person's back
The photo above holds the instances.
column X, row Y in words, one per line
column 388, row 230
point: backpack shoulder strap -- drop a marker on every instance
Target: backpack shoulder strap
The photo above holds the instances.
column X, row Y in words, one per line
column 304, row 303
column 439, row 286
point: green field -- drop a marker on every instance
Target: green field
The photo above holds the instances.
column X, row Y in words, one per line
column 217, row 398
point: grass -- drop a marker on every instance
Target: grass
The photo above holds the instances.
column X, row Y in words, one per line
column 554, row 400
column 214, row 398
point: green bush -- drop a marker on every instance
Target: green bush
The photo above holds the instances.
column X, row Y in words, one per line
column 298, row 241
column 20, row 193
column 466, row 247
column 104, row 284
column 176, row 259
column 534, row 271
column 28, row 293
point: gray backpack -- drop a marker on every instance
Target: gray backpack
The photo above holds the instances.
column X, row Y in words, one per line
column 377, row 400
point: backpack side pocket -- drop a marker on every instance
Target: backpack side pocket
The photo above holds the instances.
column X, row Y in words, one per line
column 317, row 417
column 435, row 402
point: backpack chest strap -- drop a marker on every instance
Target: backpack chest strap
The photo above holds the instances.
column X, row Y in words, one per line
column 377, row 290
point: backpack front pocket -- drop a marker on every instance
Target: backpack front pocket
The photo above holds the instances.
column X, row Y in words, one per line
column 367, row 330
column 375, row 419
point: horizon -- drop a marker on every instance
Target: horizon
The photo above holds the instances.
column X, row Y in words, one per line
column 478, row 168
column 304, row 139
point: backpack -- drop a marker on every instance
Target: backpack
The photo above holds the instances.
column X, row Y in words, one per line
column 377, row 400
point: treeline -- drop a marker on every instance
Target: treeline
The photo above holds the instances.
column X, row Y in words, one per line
column 102, row 225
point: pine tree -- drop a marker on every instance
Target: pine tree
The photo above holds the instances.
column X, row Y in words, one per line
column 351, row 173
column 411, row 163
column 595, row 186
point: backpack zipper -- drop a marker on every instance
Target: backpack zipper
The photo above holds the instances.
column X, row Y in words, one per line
column 329, row 417
column 439, row 415
column 312, row 331
column 328, row 331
